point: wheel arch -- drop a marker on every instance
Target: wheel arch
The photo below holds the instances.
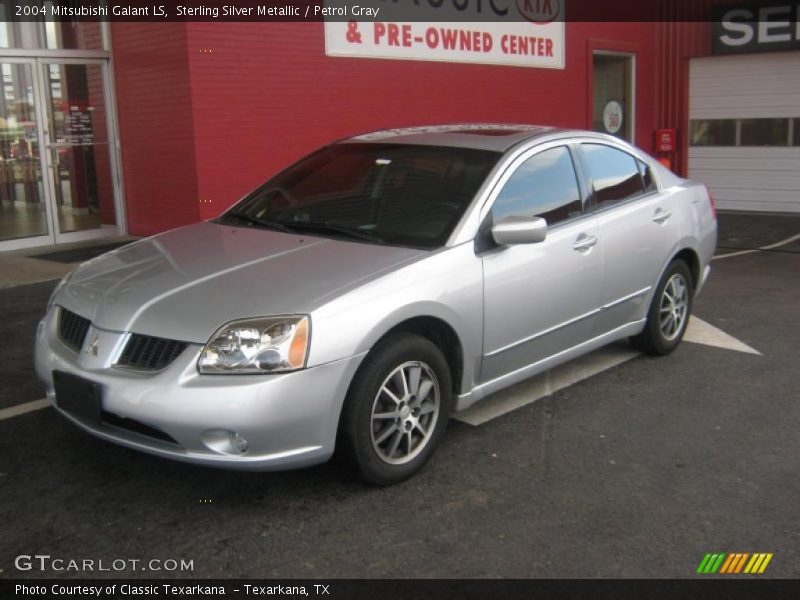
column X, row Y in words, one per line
column 688, row 253
column 432, row 328
column 692, row 259
column 686, row 250
column 442, row 335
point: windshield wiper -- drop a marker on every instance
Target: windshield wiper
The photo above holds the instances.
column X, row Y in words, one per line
column 261, row 222
column 333, row 226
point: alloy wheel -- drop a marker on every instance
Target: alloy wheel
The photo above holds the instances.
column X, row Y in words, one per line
column 404, row 412
column 674, row 307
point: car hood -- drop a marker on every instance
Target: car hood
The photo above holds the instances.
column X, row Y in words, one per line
column 184, row 284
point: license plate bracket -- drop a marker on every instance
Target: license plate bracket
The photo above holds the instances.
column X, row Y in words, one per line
column 78, row 397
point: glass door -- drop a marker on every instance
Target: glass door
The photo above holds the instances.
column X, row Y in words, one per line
column 78, row 152
column 24, row 209
column 57, row 162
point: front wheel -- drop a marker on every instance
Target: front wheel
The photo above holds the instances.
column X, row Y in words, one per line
column 397, row 408
column 669, row 311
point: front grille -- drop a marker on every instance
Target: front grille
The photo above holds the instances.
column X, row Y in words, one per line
column 150, row 353
column 136, row 427
column 72, row 328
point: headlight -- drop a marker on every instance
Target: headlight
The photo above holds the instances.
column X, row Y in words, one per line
column 263, row 345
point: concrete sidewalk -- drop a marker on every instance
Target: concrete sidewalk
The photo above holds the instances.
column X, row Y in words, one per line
column 21, row 267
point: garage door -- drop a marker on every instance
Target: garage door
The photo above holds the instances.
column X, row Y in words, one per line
column 744, row 133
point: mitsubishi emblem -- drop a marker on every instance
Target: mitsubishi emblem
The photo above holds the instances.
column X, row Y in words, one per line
column 92, row 347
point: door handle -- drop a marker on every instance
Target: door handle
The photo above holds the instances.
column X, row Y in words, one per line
column 584, row 242
column 661, row 215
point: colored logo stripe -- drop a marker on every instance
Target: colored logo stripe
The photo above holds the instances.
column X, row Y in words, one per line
column 734, row 563
column 710, row 563
column 727, row 563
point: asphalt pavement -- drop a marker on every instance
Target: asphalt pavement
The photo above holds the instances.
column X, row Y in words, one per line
column 636, row 472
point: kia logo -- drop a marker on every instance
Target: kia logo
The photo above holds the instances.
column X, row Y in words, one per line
column 539, row 11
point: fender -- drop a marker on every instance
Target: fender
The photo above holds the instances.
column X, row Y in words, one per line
column 687, row 243
column 470, row 343
column 447, row 286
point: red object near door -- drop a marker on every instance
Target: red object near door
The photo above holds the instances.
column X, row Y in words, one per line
column 665, row 140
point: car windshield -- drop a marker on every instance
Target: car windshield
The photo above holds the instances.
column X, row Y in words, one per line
column 408, row 195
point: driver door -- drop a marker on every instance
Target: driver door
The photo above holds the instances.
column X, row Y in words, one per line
column 540, row 299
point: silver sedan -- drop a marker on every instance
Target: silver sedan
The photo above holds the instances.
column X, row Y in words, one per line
column 360, row 296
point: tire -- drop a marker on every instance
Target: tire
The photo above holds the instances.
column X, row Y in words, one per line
column 667, row 319
column 389, row 433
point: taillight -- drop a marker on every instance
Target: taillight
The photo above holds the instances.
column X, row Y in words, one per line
column 712, row 203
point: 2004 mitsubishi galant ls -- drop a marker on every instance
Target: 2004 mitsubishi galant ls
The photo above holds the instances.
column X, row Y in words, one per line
column 364, row 293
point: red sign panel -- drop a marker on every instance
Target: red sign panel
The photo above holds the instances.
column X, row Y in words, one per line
column 665, row 140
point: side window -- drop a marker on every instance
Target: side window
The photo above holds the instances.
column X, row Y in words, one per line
column 647, row 177
column 545, row 186
column 615, row 174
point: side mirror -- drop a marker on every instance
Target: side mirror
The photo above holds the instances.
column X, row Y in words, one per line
column 519, row 230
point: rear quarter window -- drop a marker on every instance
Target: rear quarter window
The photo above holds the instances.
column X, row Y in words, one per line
column 647, row 176
column 615, row 174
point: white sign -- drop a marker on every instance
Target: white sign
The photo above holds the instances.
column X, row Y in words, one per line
column 515, row 43
column 612, row 117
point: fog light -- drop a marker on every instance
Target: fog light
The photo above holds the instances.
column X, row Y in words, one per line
column 224, row 441
column 238, row 442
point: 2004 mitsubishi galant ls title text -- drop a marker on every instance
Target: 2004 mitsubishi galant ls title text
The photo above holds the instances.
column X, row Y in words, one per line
column 360, row 296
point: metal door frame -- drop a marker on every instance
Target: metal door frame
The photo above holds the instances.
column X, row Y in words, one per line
column 49, row 237
column 631, row 91
column 38, row 60
column 74, row 236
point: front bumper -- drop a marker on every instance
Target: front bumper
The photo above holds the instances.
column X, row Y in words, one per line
column 289, row 420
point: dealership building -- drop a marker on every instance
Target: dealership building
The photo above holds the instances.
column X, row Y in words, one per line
column 110, row 128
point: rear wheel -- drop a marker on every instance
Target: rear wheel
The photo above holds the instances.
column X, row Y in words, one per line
column 397, row 408
column 669, row 311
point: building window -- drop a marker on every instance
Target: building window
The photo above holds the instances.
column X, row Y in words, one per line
column 764, row 132
column 40, row 30
column 713, row 132
column 744, row 132
column 613, row 101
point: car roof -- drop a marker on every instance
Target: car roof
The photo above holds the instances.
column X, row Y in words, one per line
column 497, row 137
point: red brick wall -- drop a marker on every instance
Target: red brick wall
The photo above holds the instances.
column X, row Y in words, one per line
column 154, row 101
column 261, row 95
column 91, row 36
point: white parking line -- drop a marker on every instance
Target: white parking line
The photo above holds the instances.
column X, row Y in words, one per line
column 788, row 240
column 21, row 409
column 546, row 384
column 561, row 377
column 700, row 332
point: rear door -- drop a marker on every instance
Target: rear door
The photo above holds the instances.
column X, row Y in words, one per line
column 540, row 299
column 638, row 231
